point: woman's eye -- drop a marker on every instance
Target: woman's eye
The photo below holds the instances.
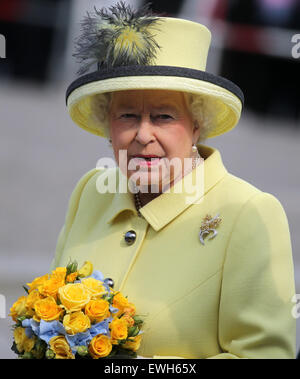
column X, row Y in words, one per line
column 128, row 115
column 164, row 117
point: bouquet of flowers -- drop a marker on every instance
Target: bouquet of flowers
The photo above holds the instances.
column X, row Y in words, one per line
column 74, row 314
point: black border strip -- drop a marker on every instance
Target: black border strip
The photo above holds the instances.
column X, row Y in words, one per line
column 155, row 71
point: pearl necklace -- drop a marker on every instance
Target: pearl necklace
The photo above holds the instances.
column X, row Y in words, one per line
column 138, row 203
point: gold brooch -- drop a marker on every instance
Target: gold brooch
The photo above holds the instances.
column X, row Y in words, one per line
column 208, row 226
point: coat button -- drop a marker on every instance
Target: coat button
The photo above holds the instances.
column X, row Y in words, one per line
column 130, row 237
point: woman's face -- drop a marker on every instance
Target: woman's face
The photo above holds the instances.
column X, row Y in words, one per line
column 154, row 127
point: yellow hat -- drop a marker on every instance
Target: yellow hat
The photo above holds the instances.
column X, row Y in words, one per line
column 137, row 51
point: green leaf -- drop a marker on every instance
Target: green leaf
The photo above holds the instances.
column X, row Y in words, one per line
column 138, row 320
column 109, row 298
column 26, row 289
column 112, row 353
column 121, row 342
column 20, row 320
column 133, row 331
column 72, row 267
column 27, row 355
column 14, row 348
column 82, row 350
column 50, row 354
column 39, row 349
column 125, row 353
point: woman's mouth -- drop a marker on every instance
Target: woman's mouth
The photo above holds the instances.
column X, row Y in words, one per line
column 145, row 160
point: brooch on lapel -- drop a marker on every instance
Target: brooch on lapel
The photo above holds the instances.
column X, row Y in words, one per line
column 209, row 226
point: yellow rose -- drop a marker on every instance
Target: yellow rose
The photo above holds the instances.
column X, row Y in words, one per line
column 19, row 337
column 47, row 309
column 51, row 286
column 130, row 309
column 29, row 344
column 18, row 309
column 22, row 341
column 133, row 343
column 74, row 296
column 86, row 269
column 56, row 280
column 129, row 320
column 37, row 282
column 95, row 287
column 72, row 277
column 97, row 310
column 59, row 272
column 120, row 302
column 100, row 346
column 76, row 322
column 61, row 348
column 32, row 298
column 118, row 329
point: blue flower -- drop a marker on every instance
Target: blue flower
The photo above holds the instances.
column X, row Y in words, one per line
column 50, row 329
column 100, row 328
column 97, row 275
column 79, row 339
column 113, row 309
column 43, row 329
column 31, row 327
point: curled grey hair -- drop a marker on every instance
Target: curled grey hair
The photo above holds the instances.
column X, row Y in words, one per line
column 203, row 111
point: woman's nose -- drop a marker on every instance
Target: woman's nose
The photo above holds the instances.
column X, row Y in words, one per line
column 145, row 130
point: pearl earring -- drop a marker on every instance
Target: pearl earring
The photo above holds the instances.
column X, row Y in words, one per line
column 194, row 149
column 196, row 157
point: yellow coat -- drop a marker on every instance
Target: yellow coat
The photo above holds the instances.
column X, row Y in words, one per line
column 228, row 298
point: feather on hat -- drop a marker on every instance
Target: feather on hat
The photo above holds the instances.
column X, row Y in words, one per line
column 119, row 36
column 123, row 49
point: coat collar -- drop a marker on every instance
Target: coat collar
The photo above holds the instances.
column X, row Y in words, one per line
column 166, row 207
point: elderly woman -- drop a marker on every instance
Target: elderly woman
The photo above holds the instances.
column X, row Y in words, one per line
column 205, row 256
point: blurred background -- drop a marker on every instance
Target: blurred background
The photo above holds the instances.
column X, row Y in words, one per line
column 43, row 154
